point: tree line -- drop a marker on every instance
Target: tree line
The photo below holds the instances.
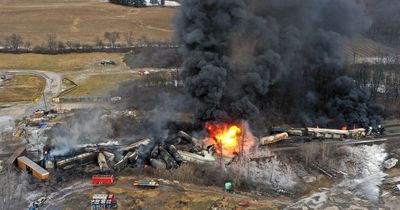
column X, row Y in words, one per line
column 137, row 3
column 51, row 44
column 134, row 3
column 382, row 80
column 386, row 31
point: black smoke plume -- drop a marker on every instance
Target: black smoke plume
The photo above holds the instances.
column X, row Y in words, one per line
column 240, row 55
column 385, row 26
column 153, row 58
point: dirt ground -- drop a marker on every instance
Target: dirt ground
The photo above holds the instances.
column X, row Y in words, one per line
column 81, row 20
column 169, row 196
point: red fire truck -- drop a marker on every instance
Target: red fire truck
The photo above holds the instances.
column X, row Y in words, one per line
column 103, row 179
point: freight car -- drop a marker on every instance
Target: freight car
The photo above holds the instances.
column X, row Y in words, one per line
column 31, row 167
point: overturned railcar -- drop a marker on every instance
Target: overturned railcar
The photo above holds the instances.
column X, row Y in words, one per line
column 29, row 166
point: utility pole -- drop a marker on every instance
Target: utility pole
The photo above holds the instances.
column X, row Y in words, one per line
column 44, row 101
column 177, row 78
column 219, row 147
column 243, row 130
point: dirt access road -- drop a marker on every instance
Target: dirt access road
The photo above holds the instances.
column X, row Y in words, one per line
column 52, row 89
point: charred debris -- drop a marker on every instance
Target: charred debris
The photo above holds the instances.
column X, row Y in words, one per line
column 161, row 153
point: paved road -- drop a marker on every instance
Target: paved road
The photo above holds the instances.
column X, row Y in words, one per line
column 52, row 88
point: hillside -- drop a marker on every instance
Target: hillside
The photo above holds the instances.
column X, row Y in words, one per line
column 363, row 48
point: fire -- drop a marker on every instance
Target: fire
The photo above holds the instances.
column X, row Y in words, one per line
column 229, row 138
column 344, row 128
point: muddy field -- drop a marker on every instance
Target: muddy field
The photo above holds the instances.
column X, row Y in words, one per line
column 170, row 195
column 81, row 21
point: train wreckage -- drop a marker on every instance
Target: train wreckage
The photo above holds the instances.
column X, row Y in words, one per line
column 175, row 150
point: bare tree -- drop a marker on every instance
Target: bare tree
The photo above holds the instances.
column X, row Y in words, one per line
column 14, row 41
column 99, row 42
column 112, row 37
column 76, row 45
column 86, row 46
column 69, row 44
column 144, row 40
column 28, row 45
column 377, row 78
column 51, row 42
column 363, row 74
column 12, row 190
column 61, row 45
column 128, row 38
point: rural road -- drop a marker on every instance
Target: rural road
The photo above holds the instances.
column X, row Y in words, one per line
column 52, row 88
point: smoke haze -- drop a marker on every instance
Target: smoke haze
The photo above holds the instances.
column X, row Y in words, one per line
column 88, row 127
column 240, row 55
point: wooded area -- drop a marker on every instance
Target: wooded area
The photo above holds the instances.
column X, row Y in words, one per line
column 382, row 80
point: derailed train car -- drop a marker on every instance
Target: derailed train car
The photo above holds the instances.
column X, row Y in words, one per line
column 280, row 134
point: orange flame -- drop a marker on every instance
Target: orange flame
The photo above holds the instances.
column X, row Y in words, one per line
column 344, row 128
column 229, row 138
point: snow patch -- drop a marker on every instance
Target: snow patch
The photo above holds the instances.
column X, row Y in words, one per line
column 365, row 187
column 314, row 199
column 365, row 175
column 272, row 173
column 378, row 60
column 6, row 123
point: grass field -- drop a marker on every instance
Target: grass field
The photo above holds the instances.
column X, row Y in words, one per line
column 60, row 63
column 81, row 20
column 100, row 85
column 22, row 88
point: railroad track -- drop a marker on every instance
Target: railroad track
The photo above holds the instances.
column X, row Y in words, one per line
column 393, row 139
